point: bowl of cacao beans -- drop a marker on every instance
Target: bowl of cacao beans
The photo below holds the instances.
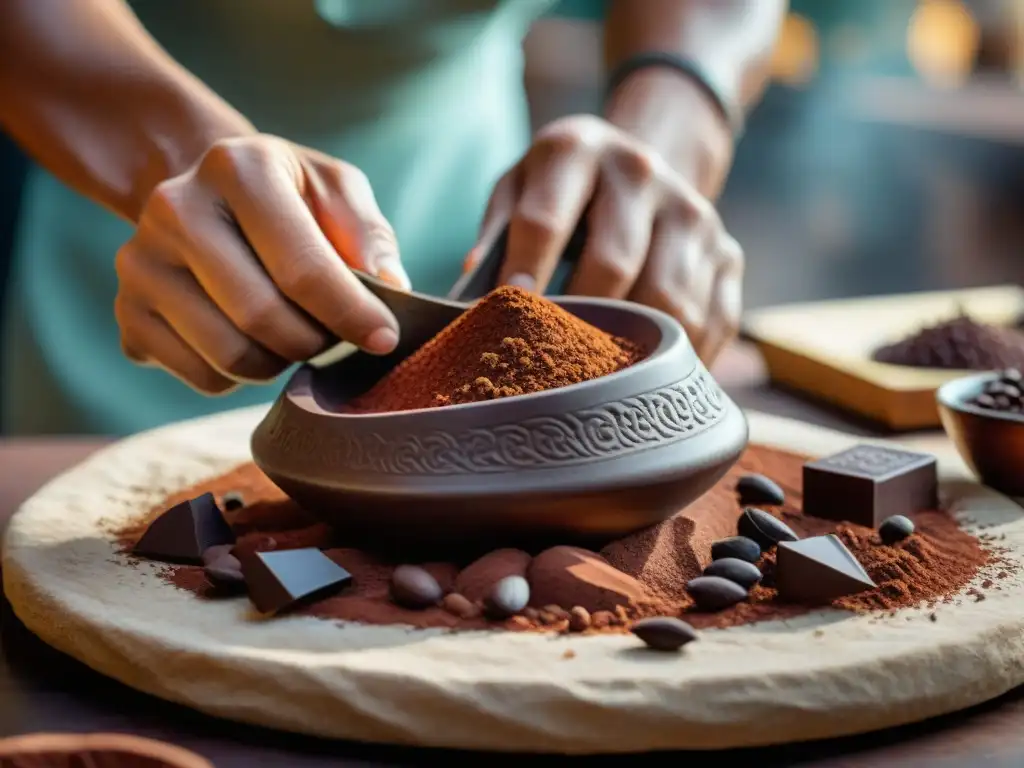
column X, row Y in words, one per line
column 983, row 415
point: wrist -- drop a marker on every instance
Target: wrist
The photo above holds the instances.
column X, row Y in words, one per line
column 177, row 132
column 677, row 117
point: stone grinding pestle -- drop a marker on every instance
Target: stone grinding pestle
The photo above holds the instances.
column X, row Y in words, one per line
column 583, row 464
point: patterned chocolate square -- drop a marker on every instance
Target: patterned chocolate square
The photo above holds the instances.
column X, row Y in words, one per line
column 872, row 460
column 868, row 483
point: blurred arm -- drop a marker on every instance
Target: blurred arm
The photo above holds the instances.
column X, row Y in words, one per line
column 93, row 98
column 732, row 40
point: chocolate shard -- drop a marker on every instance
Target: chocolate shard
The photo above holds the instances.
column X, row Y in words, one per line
column 868, row 483
column 185, row 531
column 818, row 570
column 278, row 580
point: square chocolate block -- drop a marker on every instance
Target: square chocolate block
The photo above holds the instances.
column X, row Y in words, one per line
column 868, row 483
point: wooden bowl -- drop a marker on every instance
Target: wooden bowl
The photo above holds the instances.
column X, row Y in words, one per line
column 991, row 443
column 588, row 462
column 102, row 750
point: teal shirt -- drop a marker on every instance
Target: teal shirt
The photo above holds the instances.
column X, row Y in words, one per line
column 425, row 96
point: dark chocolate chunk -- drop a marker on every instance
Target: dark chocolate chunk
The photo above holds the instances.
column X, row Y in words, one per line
column 233, row 500
column 279, row 580
column 713, row 593
column 868, row 483
column 744, row 573
column 895, row 528
column 767, row 530
column 664, row 633
column 758, row 489
column 185, row 531
column 225, row 572
column 739, row 547
column 508, row 597
column 818, row 570
column 414, row 587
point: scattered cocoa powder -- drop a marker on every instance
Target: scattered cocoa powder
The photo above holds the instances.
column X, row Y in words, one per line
column 569, row 576
column 511, row 342
column 640, row 575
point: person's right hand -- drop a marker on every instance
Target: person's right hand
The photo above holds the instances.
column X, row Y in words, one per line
column 240, row 266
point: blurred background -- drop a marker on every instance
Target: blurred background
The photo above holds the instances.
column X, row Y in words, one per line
column 887, row 156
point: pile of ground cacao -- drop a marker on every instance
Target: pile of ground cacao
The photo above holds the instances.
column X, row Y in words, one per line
column 511, row 342
column 640, row 575
column 961, row 343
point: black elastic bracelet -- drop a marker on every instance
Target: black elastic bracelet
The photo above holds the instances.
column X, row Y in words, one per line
column 733, row 114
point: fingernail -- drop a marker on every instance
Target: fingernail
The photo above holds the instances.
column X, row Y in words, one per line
column 397, row 279
column 469, row 262
column 522, row 280
column 381, row 341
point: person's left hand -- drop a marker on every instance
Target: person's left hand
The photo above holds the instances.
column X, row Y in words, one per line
column 651, row 236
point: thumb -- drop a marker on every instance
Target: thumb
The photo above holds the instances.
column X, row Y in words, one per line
column 499, row 210
column 343, row 203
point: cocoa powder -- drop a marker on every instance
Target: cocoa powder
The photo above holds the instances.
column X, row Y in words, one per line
column 640, row 575
column 511, row 342
column 960, row 343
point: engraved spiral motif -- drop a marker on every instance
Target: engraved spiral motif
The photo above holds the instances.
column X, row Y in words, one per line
column 609, row 430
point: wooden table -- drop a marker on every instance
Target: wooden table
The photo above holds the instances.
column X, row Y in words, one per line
column 42, row 690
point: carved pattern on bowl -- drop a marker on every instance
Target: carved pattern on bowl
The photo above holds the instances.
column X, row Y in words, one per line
column 610, row 430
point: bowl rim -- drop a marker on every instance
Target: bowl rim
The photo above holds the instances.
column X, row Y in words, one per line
column 672, row 334
column 945, row 398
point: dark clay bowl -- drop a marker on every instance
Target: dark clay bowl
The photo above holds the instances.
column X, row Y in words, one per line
column 109, row 750
column 588, row 462
column 990, row 443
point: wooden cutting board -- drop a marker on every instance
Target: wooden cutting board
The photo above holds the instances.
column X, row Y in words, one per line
column 823, row 349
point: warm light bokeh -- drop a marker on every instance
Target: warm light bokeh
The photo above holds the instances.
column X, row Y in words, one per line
column 942, row 41
column 795, row 61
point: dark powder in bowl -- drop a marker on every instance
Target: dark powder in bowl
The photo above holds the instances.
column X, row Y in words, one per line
column 574, row 589
column 961, row 343
column 511, row 342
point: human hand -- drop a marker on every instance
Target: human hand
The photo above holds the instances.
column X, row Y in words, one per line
column 651, row 236
column 240, row 266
